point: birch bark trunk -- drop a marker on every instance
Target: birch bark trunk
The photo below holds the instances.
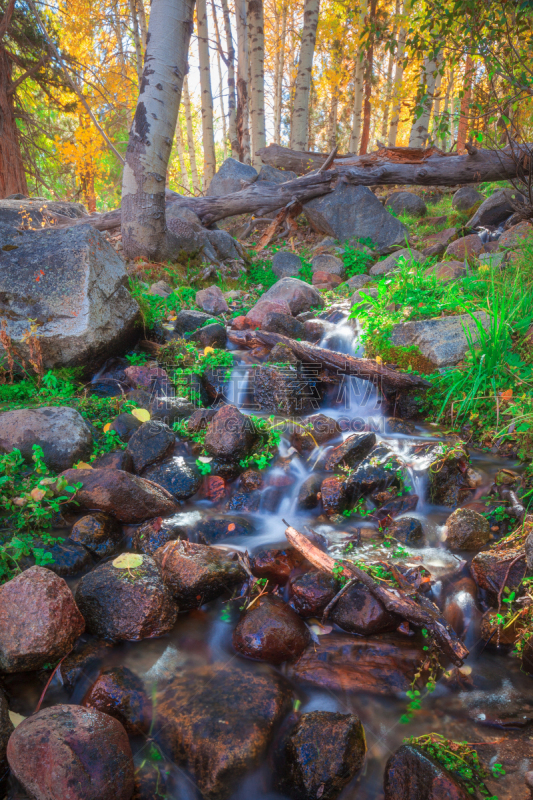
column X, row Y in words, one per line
column 144, row 231
column 388, row 89
column 280, row 67
column 232, row 111
column 462, row 130
column 369, row 68
column 242, row 115
column 357, row 117
column 420, row 128
column 142, row 23
column 446, row 121
column 257, row 77
column 397, row 87
column 300, row 115
column 190, row 137
column 136, row 40
column 208, row 137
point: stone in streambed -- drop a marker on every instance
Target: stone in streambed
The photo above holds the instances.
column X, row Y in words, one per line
column 72, row 753
column 467, row 530
column 229, row 434
column 376, row 472
column 124, row 496
column 101, row 534
column 448, row 484
column 121, row 694
column 69, row 558
column 62, row 432
column 407, row 530
column 277, row 565
column 315, row 431
column 118, row 459
column 312, row 592
column 333, row 494
column 125, row 425
column 196, row 573
column 491, row 568
column 39, row 620
column 126, row 604
column 218, row 721
column 412, row 775
column 321, row 754
column 177, row 477
column 151, row 442
column 358, row 611
column 353, row 450
column 295, row 294
column 189, row 320
column 285, row 324
column 271, row 631
column 84, row 660
column 213, row 335
column 283, row 391
column 154, row 533
column 218, row 526
column 308, row 493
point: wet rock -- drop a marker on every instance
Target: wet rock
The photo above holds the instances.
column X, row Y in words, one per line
column 403, row 426
column 491, row 568
column 6, row 729
column 407, row 530
column 354, row 212
column 308, row 493
column 213, row 335
column 281, row 354
column 229, row 435
column 312, row 592
column 244, row 502
column 495, row 209
column 80, row 302
column 283, row 391
column 125, row 425
column 276, row 565
column 412, row 257
column 121, row 694
column 196, row 573
column 219, row 526
column 466, row 198
column 285, row 324
column 395, row 507
column 357, row 611
column 314, row 331
column 447, row 477
column 214, row 488
column 384, row 664
column 467, row 530
column 334, row 495
column 99, row 533
column 200, row 419
column 412, row 775
column 527, row 657
column 212, row 300
column 231, row 176
column 149, row 443
column 39, row 620
column 328, row 264
column 286, row 264
column 85, row 660
column 155, row 533
column 167, row 409
column 63, row 434
column 376, row 472
column 271, row 631
column 176, row 476
column 447, row 270
column 465, row 247
column 124, row 496
column 218, row 721
column 72, row 753
column 68, row 558
column 126, row 604
column 441, row 340
column 318, row 430
column 188, row 320
column 118, row 459
column 251, row 480
column 353, row 450
column 460, row 606
column 295, row 294
column 321, row 755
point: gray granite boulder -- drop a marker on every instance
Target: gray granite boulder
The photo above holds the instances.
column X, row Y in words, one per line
column 466, row 197
column 273, row 175
column 297, row 295
column 286, row 264
column 389, row 263
column 407, row 203
column 31, row 212
column 327, row 263
column 495, row 209
column 442, row 340
column 229, row 178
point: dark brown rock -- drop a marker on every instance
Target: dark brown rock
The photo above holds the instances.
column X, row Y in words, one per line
column 154, row 533
column 318, row 430
column 229, row 435
column 244, row 501
column 271, row 631
column 125, row 425
column 219, row 526
column 491, row 568
column 85, row 659
column 149, row 443
column 69, row 558
column 39, row 620
column 251, row 480
column 176, row 476
column 196, row 573
column 411, row 775
column 282, row 391
column 200, row 419
column 126, row 604
column 447, row 483
column 321, row 755
column 101, row 534
column 121, row 694
column 218, row 721
column 527, row 657
column 384, row 664
column 6, row 729
column 277, row 565
column 308, row 493
column 351, row 451
column 333, row 494
column 376, row 472
column 467, row 530
column 124, row 496
column 407, row 530
column 119, row 459
column 312, row 592
column 72, row 753
column 357, row 611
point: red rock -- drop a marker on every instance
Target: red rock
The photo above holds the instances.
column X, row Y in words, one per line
column 229, row 434
column 412, row 775
column 240, row 323
column 441, row 237
column 256, row 315
column 516, row 235
column 358, row 611
column 277, row 565
column 214, row 488
column 312, row 592
column 72, row 753
column 326, row 279
column 271, row 631
column 124, row 496
column 466, row 246
column 39, row 620
column 447, row 270
column 143, row 377
column 121, row 694
column 212, row 300
column 333, row 492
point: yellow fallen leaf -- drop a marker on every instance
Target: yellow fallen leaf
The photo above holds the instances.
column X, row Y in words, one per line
column 208, row 350
column 37, row 494
column 15, row 718
column 141, row 414
column 82, row 465
column 379, row 360
column 107, row 427
column 128, row 561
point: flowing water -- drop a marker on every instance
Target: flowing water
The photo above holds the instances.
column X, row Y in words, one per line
column 494, row 705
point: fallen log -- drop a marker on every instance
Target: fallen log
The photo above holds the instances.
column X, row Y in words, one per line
column 417, row 610
column 368, row 369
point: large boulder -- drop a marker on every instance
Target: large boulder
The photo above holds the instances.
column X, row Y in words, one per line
column 412, row 257
column 466, row 198
column 321, row 754
column 441, row 340
column 271, row 631
column 274, row 175
column 353, row 449
column 39, row 620
column 312, row 591
column 72, row 753
column 410, row 774
column 126, row 604
column 286, row 264
column 29, row 213
column 407, row 203
column 63, row 434
column 150, row 442
column 124, row 496
column 354, row 212
column 218, row 721
column 73, row 284
column 232, row 176
column 467, row 530
column 495, row 209
column 176, row 476
column 294, row 293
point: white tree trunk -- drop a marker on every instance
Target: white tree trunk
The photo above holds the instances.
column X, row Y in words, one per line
column 144, row 231
column 243, row 68
column 232, row 111
column 142, row 22
column 397, row 88
column 357, row 116
column 300, row 114
column 190, row 137
column 136, row 40
column 222, row 109
column 208, row 135
column 388, row 86
column 420, row 128
column 446, row 124
column 437, row 110
column 256, row 38
column 280, row 68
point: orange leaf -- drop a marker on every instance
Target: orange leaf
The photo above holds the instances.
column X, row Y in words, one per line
column 231, row 526
column 507, row 395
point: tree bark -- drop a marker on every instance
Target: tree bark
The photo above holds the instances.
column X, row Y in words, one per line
column 232, row 111
column 462, row 130
column 357, row 116
column 397, row 88
column 12, row 175
column 208, row 136
column 368, row 71
column 445, row 125
column 144, row 231
column 142, row 23
column 184, row 178
column 420, row 128
column 257, row 77
column 190, row 137
column 388, row 84
column 222, row 109
column 300, row 114
column 136, row 40
column 243, row 68
column 280, row 67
